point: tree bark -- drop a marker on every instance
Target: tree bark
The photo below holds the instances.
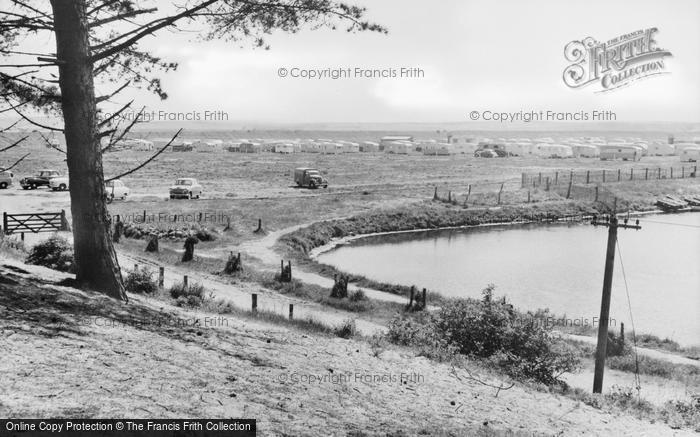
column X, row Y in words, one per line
column 96, row 262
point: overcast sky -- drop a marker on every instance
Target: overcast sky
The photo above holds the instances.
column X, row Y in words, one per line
column 505, row 55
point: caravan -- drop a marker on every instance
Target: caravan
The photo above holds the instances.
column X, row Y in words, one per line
column 626, row 152
column 690, row 154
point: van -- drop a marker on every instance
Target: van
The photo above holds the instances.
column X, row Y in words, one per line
column 6, row 178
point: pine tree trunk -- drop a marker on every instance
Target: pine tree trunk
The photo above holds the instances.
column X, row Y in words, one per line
column 96, row 262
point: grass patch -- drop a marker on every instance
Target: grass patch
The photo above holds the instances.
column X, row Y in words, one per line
column 676, row 414
column 655, row 367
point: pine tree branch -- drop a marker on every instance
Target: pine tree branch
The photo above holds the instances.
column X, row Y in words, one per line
column 148, row 160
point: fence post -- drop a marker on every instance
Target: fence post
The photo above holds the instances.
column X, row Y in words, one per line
column 64, row 222
column 184, row 280
column 603, row 176
column 619, row 174
column 469, row 191
column 144, row 216
column 568, row 192
column 556, row 178
column 646, row 174
column 683, row 172
column 588, row 177
column 291, row 311
column 539, row 180
column 4, row 222
column 161, row 276
column 632, row 174
column 671, row 172
column 596, row 193
column 522, row 180
column 659, row 176
column 547, row 181
column 425, row 303
column 413, row 290
column 528, row 196
column 255, row 302
column 499, row 194
column 289, row 264
column 21, row 236
column 435, row 196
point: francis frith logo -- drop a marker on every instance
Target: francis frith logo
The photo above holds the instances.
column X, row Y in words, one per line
column 615, row 63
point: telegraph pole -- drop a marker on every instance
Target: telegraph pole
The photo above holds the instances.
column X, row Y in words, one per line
column 612, row 223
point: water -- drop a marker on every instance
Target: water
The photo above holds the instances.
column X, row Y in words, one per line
column 555, row 266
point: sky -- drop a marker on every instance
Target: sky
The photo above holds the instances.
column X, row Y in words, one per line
column 490, row 55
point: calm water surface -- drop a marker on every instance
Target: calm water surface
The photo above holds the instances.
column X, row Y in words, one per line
column 555, row 266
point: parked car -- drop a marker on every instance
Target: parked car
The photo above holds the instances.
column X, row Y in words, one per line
column 485, row 153
column 6, row 179
column 40, row 180
column 187, row 188
column 309, row 178
column 116, row 190
column 59, row 183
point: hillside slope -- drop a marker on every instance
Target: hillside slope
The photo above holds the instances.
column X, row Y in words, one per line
column 153, row 361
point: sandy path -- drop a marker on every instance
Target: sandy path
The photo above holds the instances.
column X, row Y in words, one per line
column 267, row 300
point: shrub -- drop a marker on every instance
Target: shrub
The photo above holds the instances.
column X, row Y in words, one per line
column 192, row 295
column 55, row 253
column 358, row 296
column 205, row 235
column 347, row 329
column 490, row 329
column 140, row 281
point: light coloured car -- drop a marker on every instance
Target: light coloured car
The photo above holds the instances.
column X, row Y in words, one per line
column 6, row 179
column 187, row 188
column 116, row 189
column 59, row 183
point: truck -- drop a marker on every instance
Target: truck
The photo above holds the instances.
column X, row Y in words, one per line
column 309, row 178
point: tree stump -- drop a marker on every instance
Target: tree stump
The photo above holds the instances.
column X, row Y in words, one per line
column 118, row 231
column 152, row 244
column 189, row 248
column 340, row 287
column 233, row 264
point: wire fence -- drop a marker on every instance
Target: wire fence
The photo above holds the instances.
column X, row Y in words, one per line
column 555, row 178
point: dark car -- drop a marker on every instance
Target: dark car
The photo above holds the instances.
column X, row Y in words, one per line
column 40, row 180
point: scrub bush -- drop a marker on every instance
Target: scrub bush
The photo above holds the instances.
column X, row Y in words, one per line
column 55, row 253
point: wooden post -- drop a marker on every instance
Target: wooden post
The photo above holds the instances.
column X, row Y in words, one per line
column 646, row 174
column 522, row 180
column 596, row 193
column 499, row 193
column 161, row 276
column 449, row 196
column 144, row 216
column 528, row 196
column 683, row 172
column 291, row 311
column 547, row 183
column 602, row 346
column 425, row 302
column 619, row 174
column 603, row 176
column 413, row 290
column 289, row 264
column 568, row 192
column 539, row 180
column 632, row 174
column 255, row 302
column 184, row 280
column 64, row 222
column 21, row 236
column 435, row 195
column 588, row 176
column 556, row 178
column 4, row 222
column 622, row 333
column 659, row 174
column 671, row 172
column 469, row 191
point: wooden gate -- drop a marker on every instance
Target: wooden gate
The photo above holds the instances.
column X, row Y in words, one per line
column 34, row 222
